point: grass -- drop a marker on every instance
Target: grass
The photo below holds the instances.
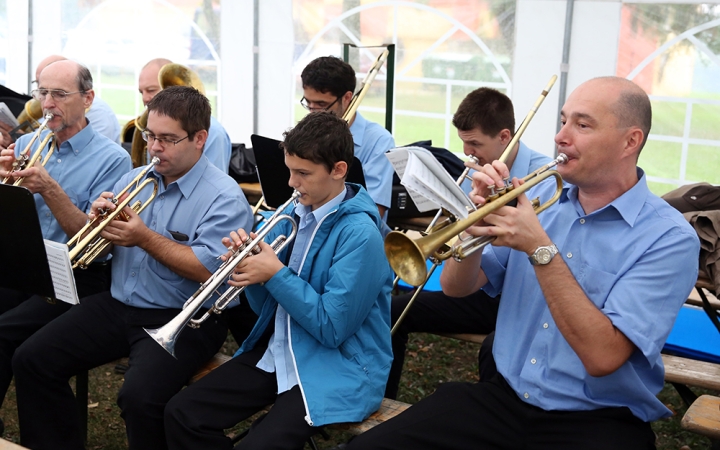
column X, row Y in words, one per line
column 431, row 360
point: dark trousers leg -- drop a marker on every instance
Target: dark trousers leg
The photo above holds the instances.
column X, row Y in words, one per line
column 10, row 298
column 490, row 416
column 20, row 322
column 196, row 417
column 99, row 330
column 435, row 312
column 86, row 336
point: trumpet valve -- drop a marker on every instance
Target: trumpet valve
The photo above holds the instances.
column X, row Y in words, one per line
column 494, row 194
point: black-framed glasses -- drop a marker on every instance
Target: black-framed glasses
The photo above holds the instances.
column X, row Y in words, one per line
column 164, row 142
column 57, row 94
column 306, row 104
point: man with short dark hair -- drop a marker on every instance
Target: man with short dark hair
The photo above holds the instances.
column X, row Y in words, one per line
column 485, row 122
column 83, row 165
column 159, row 257
column 582, row 321
column 320, row 350
column 328, row 85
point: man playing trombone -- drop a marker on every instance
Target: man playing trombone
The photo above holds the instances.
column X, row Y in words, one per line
column 320, row 350
column 82, row 166
column 581, row 322
column 485, row 122
column 159, row 257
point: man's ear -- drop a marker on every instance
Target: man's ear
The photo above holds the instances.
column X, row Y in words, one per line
column 505, row 136
column 200, row 138
column 88, row 98
column 339, row 171
column 633, row 142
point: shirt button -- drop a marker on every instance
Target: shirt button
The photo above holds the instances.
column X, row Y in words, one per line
column 582, row 221
column 545, row 325
column 526, row 395
column 162, row 197
column 59, row 160
column 569, row 255
column 533, row 361
column 132, row 274
column 47, row 214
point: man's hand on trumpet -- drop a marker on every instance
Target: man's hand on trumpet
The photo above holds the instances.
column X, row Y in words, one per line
column 128, row 233
column 7, row 156
column 255, row 269
column 36, row 178
column 516, row 227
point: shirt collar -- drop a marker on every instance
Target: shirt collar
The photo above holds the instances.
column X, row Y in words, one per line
column 81, row 139
column 627, row 205
column 303, row 210
column 357, row 129
column 187, row 182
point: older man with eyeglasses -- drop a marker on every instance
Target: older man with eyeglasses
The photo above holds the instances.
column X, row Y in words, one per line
column 83, row 165
column 328, row 85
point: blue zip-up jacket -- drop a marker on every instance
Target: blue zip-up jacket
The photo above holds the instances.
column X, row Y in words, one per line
column 339, row 312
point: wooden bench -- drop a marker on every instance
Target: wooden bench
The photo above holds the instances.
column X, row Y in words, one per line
column 703, row 417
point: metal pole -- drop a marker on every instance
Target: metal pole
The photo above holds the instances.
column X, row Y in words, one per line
column 30, row 75
column 256, row 63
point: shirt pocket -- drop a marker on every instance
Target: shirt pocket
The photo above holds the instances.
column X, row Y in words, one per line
column 597, row 284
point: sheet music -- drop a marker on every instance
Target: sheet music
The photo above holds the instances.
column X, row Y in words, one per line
column 61, row 272
column 427, row 181
column 6, row 116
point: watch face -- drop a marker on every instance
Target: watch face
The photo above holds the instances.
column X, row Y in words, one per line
column 543, row 255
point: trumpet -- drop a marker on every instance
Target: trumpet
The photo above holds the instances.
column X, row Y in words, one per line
column 24, row 161
column 85, row 249
column 407, row 257
column 167, row 335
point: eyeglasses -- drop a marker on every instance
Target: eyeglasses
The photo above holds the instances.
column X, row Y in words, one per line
column 306, row 104
column 57, row 94
column 164, row 142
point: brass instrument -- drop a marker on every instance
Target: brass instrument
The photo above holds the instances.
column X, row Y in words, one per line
column 29, row 118
column 170, row 75
column 25, row 161
column 84, row 249
column 407, row 257
column 167, row 335
column 417, row 273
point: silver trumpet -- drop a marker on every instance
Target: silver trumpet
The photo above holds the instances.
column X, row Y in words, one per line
column 167, row 335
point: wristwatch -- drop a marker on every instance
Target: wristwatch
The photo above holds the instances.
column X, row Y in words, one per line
column 543, row 255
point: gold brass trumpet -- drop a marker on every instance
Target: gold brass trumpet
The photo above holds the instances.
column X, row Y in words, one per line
column 85, row 249
column 407, row 257
column 167, row 335
column 24, row 160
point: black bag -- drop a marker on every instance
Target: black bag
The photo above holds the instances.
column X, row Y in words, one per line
column 401, row 205
column 242, row 164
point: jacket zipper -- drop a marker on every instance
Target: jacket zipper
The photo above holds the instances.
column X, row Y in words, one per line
column 308, row 419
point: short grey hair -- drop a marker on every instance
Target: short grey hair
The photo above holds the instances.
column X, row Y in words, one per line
column 84, row 78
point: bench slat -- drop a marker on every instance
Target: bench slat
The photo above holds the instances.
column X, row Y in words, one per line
column 388, row 409
column 703, row 417
column 691, row 372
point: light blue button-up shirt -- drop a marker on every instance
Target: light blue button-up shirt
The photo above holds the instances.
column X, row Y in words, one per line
column 85, row 166
column 197, row 210
column 371, row 142
column 103, row 119
column 278, row 357
column 636, row 259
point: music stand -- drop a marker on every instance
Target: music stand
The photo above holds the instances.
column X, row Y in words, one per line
column 274, row 174
column 26, row 264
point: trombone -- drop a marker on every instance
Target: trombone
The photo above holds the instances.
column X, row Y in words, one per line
column 167, row 335
column 24, row 161
column 85, row 249
column 407, row 257
column 423, row 273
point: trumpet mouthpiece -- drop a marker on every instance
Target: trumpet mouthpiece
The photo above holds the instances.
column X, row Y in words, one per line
column 561, row 158
column 49, row 116
column 155, row 160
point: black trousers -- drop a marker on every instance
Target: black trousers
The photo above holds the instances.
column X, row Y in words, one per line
column 195, row 418
column 435, row 312
column 489, row 415
column 25, row 314
column 97, row 331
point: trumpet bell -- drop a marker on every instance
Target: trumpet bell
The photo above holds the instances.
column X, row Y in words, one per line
column 407, row 257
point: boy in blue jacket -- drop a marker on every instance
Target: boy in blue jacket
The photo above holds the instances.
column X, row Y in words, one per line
column 320, row 350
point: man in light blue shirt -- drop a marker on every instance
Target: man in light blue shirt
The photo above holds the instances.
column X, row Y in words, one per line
column 159, row 259
column 328, row 85
column 485, row 122
column 83, row 165
column 582, row 321
column 218, row 147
